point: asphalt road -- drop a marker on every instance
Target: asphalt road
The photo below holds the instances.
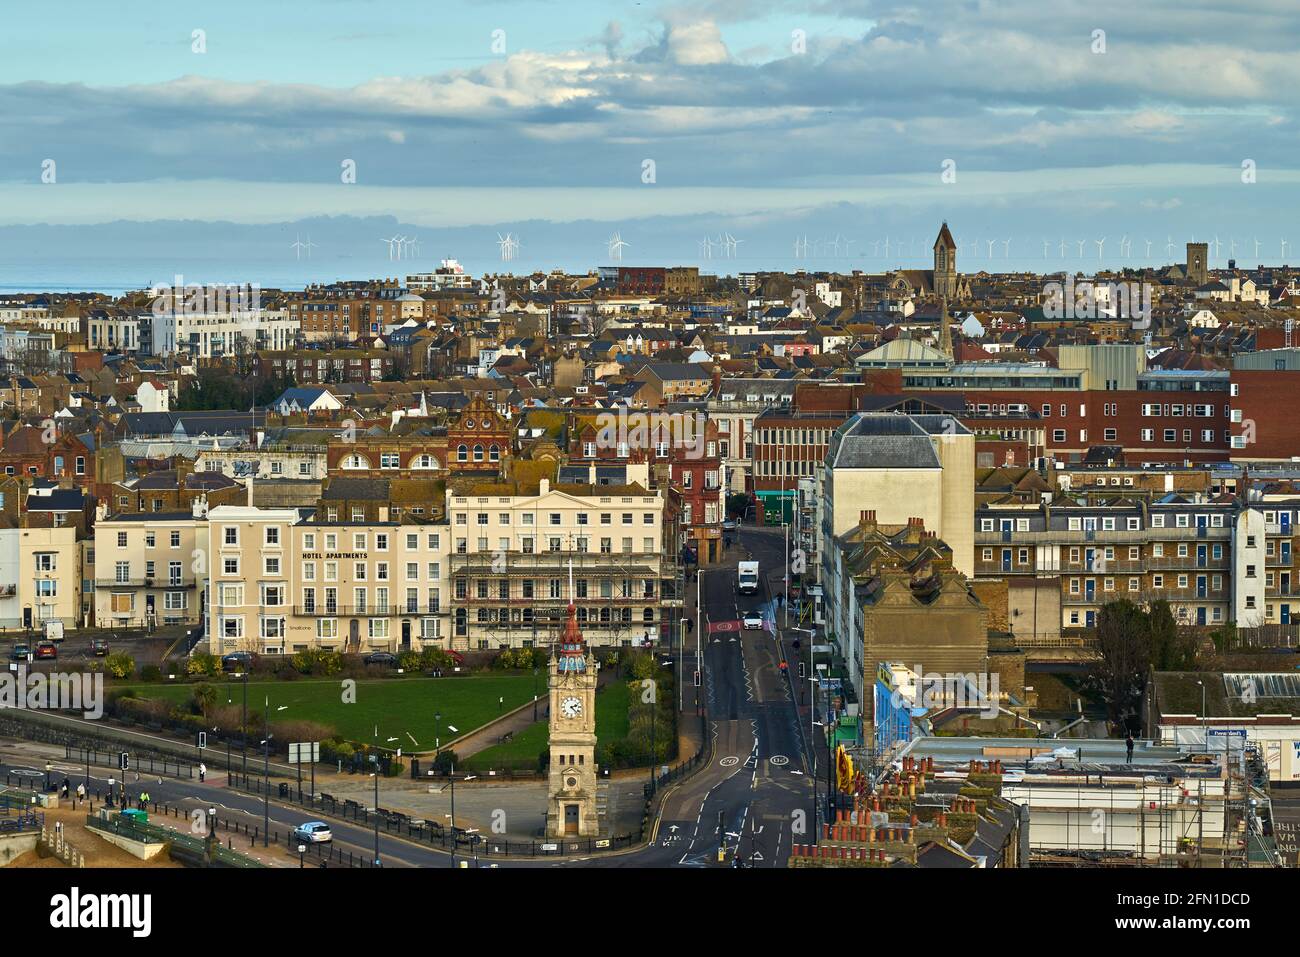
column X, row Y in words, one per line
column 757, row 793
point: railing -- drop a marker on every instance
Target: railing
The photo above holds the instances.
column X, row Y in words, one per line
column 433, row 833
column 191, row 850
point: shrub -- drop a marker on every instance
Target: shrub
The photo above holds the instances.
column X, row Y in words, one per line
column 317, row 661
column 202, row 665
column 121, row 665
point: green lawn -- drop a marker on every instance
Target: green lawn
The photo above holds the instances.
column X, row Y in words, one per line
column 399, row 707
column 611, row 725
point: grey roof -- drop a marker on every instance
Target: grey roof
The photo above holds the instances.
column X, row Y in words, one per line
column 889, row 441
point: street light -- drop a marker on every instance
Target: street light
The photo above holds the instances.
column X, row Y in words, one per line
column 534, row 694
column 452, row 785
column 1205, row 734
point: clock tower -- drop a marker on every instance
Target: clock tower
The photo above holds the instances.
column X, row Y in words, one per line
column 571, row 797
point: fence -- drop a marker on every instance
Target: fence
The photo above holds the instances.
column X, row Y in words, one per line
column 1269, row 636
column 149, row 761
column 28, row 729
column 18, row 813
column 189, row 849
column 432, row 833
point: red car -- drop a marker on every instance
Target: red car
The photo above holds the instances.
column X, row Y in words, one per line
column 47, row 649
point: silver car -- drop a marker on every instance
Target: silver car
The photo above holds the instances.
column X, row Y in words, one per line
column 313, row 832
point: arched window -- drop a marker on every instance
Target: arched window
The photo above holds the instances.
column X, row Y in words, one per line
column 494, row 454
column 478, row 453
column 355, row 461
column 462, row 453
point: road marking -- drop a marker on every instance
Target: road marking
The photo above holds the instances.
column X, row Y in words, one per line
column 778, row 760
column 730, row 761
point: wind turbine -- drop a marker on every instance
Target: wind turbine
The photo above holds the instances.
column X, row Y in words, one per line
column 401, row 245
column 706, row 248
column 875, row 248
column 1284, row 244
column 735, row 245
column 990, row 244
column 409, row 244
column 1061, row 248
column 974, row 247
column 1232, row 247
column 1257, row 245
column 1169, row 245
column 1081, row 243
column 1216, row 245
column 309, row 245
column 507, row 246
column 616, row 245
column 297, row 246
column 1148, row 242
column 886, row 247
column 1006, row 248
column 391, row 245
column 1101, row 245
column 1125, row 247
column 1047, row 243
column 835, row 246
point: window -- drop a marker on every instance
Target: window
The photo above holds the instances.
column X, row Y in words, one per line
column 121, row 539
column 271, row 565
column 230, row 566
column 150, row 540
column 272, row 536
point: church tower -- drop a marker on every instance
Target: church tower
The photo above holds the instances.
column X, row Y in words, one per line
column 571, row 795
column 945, row 264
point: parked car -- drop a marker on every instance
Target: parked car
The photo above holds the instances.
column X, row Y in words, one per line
column 20, row 651
column 236, row 661
column 47, row 650
column 386, row 658
column 99, row 647
column 313, row 832
column 753, row 619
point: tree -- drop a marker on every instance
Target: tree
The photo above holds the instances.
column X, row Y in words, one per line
column 1123, row 642
column 204, row 697
column 1172, row 649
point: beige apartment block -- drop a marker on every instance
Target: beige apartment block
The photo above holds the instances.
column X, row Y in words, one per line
column 281, row 583
column 150, row 568
column 515, row 546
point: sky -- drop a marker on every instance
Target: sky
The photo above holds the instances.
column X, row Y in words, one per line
column 143, row 138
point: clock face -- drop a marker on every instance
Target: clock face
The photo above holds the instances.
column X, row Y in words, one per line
column 571, row 707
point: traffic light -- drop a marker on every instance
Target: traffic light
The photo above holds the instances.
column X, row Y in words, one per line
column 697, row 679
column 801, row 674
column 124, row 761
column 203, row 740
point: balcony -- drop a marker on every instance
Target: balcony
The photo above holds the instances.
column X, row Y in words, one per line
column 142, row 583
column 323, row 610
column 1189, row 563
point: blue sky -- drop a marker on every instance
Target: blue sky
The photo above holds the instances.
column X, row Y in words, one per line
column 761, row 117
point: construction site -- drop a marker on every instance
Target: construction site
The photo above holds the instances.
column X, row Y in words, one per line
column 1044, row 802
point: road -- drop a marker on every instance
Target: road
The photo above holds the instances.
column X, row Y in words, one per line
column 759, row 784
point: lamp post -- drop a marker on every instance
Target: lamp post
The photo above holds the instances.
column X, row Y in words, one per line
column 243, row 730
column 699, row 630
column 266, row 772
column 437, row 741
column 1205, row 732
column 534, row 694
column 681, row 653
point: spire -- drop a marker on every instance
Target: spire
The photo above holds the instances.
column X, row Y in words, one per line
column 573, row 649
column 945, row 329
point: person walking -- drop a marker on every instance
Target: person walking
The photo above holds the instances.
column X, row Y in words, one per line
column 203, row 772
column 66, row 788
column 1128, row 747
column 81, row 792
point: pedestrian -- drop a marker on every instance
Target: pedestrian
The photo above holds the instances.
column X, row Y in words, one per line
column 203, row 772
column 81, row 792
column 66, row 789
column 1128, row 747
